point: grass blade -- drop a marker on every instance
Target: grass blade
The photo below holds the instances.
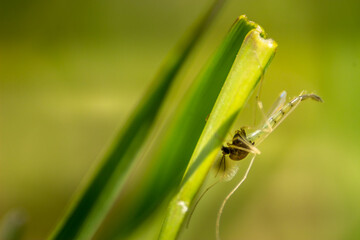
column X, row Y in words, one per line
column 172, row 153
column 94, row 201
column 253, row 57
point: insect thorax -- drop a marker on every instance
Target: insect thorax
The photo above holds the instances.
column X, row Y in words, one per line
column 239, row 148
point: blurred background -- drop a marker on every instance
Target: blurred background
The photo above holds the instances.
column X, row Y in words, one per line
column 71, row 72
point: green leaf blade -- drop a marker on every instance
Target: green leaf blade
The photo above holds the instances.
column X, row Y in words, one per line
column 253, row 57
column 176, row 148
column 94, row 200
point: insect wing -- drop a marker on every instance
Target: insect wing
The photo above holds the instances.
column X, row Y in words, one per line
column 278, row 104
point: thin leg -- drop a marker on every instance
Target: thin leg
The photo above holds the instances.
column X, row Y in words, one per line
column 252, row 149
column 261, row 107
column 220, row 165
column 197, row 202
column 224, row 165
column 228, row 196
column 258, row 95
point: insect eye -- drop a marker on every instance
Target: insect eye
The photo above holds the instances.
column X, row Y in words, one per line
column 225, row 150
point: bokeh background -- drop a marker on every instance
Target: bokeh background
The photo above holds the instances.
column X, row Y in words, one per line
column 71, row 72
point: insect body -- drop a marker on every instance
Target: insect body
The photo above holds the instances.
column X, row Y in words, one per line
column 238, row 149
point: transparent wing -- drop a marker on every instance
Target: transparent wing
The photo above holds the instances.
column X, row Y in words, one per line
column 278, row 104
column 264, row 128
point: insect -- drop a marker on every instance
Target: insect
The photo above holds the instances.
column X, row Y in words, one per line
column 244, row 144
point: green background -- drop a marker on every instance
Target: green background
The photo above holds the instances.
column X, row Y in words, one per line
column 71, row 72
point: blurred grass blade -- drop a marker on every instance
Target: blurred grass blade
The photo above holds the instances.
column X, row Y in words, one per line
column 253, row 57
column 171, row 154
column 93, row 203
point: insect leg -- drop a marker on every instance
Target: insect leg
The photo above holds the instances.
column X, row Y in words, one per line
column 261, row 107
column 224, row 165
column 257, row 97
column 229, row 195
column 195, row 205
column 252, row 149
column 220, row 164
